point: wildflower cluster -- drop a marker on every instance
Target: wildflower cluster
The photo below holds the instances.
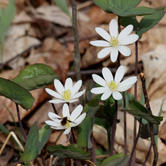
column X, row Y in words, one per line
column 109, row 85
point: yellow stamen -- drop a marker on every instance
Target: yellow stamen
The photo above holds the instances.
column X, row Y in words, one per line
column 114, row 41
column 112, row 85
column 66, row 94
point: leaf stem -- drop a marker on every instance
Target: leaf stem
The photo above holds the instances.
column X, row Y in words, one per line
column 114, row 129
column 135, row 143
column 93, row 150
column 147, row 155
column 20, row 123
column 150, row 124
column 53, row 106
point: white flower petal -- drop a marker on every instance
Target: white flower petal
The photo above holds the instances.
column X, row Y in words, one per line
column 119, row 74
column 53, row 116
column 129, row 39
column 114, row 54
column 117, row 96
column 100, row 43
column 77, row 95
column 104, row 52
column 125, row 32
column 106, row 95
column 65, row 111
column 53, row 93
column 76, row 112
column 104, row 34
column 67, row 131
column 124, row 50
column 59, row 127
column 52, row 123
column 79, row 120
column 113, row 28
column 98, row 80
column 124, row 88
column 58, row 85
column 128, row 81
column 98, row 90
column 107, row 74
column 76, row 87
column 68, row 84
column 72, row 100
column 56, row 101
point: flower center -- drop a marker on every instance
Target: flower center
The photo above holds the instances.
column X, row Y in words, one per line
column 114, row 41
column 66, row 94
column 65, row 122
column 112, row 85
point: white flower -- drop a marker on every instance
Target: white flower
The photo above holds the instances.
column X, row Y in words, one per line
column 68, row 93
column 110, row 85
column 115, row 42
column 68, row 120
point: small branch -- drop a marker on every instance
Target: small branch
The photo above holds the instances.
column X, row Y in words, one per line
column 20, row 123
column 150, row 124
column 114, row 129
column 76, row 56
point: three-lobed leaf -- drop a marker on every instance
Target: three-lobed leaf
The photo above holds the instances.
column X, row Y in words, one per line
column 35, row 76
column 16, row 93
column 73, row 151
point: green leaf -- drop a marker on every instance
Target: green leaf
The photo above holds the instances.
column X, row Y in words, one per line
column 150, row 21
column 115, row 160
column 145, row 131
column 63, row 6
column 43, row 136
column 3, row 129
column 31, row 146
column 6, row 17
column 85, row 128
column 103, row 4
column 138, row 11
column 73, row 151
column 125, row 21
column 35, row 76
column 35, row 141
column 16, row 93
column 139, row 110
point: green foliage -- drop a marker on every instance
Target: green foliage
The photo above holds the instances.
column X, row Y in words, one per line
column 35, row 141
column 85, row 128
column 6, row 17
column 63, row 6
column 124, row 8
column 115, row 160
column 146, row 23
column 73, row 151
column 16, row 93
column 139, row 111
column 150, row 21
column 3, row 129
column 35, row 76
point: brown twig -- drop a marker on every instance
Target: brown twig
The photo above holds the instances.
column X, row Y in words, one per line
column 76, row 56
column 150, row 124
